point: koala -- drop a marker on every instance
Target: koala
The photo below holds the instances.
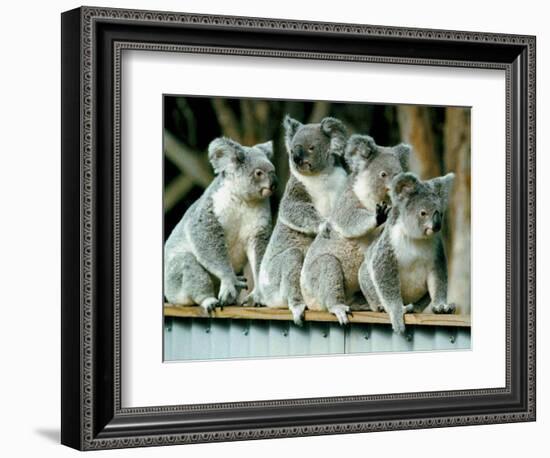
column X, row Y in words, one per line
column 329, row 277
column 227, row 226
column 407, row 265
column 315, row 181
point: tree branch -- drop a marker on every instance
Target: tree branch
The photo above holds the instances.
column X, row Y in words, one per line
column 176, row 190
column 187, row 160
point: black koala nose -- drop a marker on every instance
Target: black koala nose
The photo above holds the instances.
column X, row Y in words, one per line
column 436, row 227
column 298, row 154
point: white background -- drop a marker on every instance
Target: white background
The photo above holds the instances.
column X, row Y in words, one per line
column 30, row 242
column 148, row 75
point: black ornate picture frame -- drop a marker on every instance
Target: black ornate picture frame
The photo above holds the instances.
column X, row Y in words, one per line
column 92, row 42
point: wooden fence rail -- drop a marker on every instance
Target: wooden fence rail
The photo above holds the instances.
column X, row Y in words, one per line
column 263, row 313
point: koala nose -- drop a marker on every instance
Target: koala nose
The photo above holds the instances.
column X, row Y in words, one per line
column 436, row 222
column 298, row 154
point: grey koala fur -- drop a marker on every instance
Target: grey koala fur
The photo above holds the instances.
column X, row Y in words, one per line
column 315, row 180
column 329, row 277
column 407, row 265
column 227, row 226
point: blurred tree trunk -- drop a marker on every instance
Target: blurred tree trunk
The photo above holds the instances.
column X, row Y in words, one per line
column 227, row 119
column 320, row 111
column 417, row 130
column 457, row 159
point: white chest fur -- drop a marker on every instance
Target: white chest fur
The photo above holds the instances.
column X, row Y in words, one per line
column 414, row 258
column 240, row 221
column 363, row 193
column 324, row 189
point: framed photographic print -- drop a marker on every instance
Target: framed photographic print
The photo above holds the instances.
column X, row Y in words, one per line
column 276, row 327
column 276, row 228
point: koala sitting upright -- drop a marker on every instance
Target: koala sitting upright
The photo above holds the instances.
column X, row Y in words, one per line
column 329, row 277
column 407, row 265
column 228, row 225
column 315, row 181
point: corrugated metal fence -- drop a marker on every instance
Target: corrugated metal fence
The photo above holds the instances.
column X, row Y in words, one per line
column 207, row 338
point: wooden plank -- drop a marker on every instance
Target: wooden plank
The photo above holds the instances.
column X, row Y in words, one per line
column 264, row 313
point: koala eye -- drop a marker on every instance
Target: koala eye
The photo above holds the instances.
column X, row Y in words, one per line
column 258, row 173
column 423, row 213
column 311, row 148
column 383, row 174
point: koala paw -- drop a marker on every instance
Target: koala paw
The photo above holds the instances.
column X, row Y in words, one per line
column 241, row 283
column 408, row 308
column 298, row 312
column 228, row 293
column 210, row 304
column 443, row 308
column 397, row 323
column 229, row 290
column 382, row 211
column 253, row 299
column 377, row 308
column 324, row 229
column 341, row 312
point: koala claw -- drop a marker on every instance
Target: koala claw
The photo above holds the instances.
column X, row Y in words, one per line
column 443, row 308
column 228, row 293
column 230, row 289
column 241, row 283
column 324, row 229
column 210, row 304
column 397, row 322
column 377, row 308
column 341, row 312
column 298, row 312
column 382, row 211
column 252, row 300
column 399, row 327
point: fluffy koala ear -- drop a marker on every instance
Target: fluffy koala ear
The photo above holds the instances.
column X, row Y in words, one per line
column 442, row 186
column 291, row 126
column 225, row 154
column 266, row 148
column 337, row 132
column 403, row 185
column 403, row 152
column 359, row 148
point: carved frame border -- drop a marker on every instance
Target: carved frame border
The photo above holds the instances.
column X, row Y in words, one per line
column 88, row 434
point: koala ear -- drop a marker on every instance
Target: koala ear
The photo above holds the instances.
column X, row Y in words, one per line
column 291, row 126
column 403, row 152
column 225, row 154
column 266, row 148
column 337, row 132
column 359, row 148
column 442, row 186
column 403, row 185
